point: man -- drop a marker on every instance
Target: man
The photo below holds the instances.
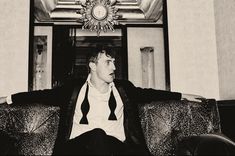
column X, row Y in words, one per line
column 98, row 115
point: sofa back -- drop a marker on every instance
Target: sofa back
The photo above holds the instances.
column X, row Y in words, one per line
column 33, row 127
column 165, row 123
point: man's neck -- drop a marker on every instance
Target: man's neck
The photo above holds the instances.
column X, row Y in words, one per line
column 101, row 86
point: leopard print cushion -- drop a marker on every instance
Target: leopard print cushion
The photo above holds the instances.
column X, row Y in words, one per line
column 33, row 127
column 166, row 123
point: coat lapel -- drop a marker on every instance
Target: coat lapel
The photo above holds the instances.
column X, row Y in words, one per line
column 72, row 105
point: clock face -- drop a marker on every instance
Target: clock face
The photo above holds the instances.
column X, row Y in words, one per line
column 99, row 12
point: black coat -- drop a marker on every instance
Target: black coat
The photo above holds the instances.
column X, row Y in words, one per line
column 131, row 96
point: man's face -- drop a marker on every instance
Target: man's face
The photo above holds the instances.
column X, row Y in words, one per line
column 105, row 67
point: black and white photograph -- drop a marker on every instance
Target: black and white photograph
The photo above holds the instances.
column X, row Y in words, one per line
column 117, row 77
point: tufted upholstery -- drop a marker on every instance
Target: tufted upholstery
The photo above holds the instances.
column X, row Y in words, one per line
column 34, row 126
column 166, row 123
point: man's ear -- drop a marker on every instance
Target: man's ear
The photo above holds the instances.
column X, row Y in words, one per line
column 92, row 66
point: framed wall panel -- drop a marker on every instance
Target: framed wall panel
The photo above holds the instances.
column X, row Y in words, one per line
column 42, row 58
column 139, row 41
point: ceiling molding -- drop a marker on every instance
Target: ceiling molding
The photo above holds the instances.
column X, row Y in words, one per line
column 67, row 11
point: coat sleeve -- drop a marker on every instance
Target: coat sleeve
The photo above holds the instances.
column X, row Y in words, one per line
column 148, row 95
column 54, row 97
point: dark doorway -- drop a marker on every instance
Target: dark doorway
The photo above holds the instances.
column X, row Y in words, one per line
column 71, row 47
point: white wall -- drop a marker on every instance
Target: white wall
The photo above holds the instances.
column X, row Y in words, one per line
column 192, row 46
column 194, row 32
column 145, row 37
column 14, row 27
column 225, row 39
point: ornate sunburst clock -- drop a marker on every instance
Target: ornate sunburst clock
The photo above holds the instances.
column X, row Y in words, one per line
column 99, row 15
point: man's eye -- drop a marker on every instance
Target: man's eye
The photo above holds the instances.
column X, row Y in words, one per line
column 110, row 61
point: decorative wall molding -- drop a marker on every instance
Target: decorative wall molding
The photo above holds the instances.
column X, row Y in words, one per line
column 70, row 11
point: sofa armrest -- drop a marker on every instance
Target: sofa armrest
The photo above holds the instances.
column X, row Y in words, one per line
column 206, row 144
column 165, row 123
column 33, row 126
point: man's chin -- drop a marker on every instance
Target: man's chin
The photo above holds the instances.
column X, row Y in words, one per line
column 110, row 80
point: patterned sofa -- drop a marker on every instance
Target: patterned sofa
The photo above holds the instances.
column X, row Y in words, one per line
column 34, row 127
column 166, row 123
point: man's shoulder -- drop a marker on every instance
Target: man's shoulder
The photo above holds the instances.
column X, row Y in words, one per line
column 122, row 83
column 75, row 81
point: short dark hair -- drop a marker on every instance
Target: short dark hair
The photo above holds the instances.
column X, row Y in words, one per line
column 100, row 49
